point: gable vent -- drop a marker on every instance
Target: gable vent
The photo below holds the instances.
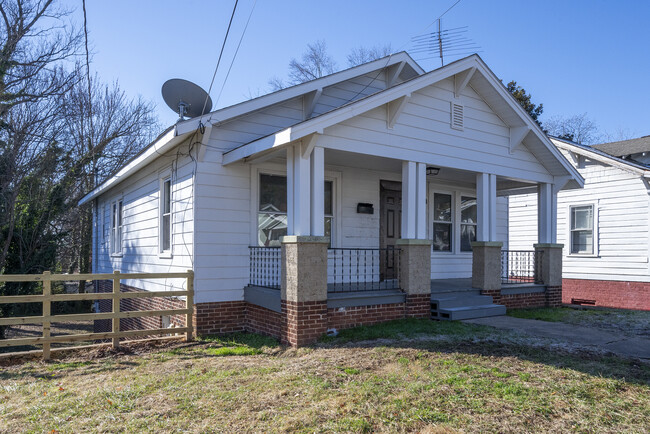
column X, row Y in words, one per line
column 457, row 116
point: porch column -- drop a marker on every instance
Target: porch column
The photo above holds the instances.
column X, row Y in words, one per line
column 486, row 250
column 304, row 250
column 548, row 254
column 415, row 248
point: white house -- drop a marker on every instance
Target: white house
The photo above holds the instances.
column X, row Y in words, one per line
column 379, row 182
column 604, row 227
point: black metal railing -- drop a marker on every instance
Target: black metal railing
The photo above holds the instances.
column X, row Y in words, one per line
column 265, row 266
column 362, row 269
column 521, row 266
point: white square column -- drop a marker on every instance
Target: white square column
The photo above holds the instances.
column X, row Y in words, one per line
column 318, row 192
column 546, row 214
column 486, row 207
column 414, row 197
column 298, row 192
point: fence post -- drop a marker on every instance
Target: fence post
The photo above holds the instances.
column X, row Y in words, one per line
column 116, row 308
column 47, row 312
column 189, row 305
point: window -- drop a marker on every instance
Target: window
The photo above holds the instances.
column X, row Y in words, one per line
column 165, row 225
column 442, row 222
column 582, row 229
column 116, row 227
column 467, row 223
column 272, row 209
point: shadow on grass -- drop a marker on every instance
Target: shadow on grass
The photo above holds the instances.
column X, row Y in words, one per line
column 238, row 344
column 457, row 337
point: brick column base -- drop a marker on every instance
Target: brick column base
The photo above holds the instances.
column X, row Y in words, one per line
column 306, row 321
column 494, row 293
column 418, row 305
column 553, row 296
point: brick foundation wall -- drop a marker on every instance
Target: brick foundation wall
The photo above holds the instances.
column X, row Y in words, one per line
column 306, row 321
column 220, row 317
column 494, row 293
column 348, row 317
column 264, row 321
column 552, row 297
column 418, row 306
column 608, row 293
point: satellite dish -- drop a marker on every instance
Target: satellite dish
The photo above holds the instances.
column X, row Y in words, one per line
column 186, row 98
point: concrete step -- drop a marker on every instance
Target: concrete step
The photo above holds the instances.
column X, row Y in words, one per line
column 469, row 312
column 453, row 290
column 459, row 300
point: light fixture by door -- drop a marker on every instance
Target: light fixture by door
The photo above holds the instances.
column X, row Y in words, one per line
column 433, row 171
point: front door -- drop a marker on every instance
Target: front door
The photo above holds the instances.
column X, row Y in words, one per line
column 390, row 226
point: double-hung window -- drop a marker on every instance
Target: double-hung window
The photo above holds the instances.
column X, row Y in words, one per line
column 442, row 222
column 467, row 223
column 116, row 227
column 272, row 209
column 582, row 229
column 165, row 225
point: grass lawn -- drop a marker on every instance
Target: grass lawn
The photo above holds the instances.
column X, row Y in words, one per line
column 626, row 322
column 409, row 375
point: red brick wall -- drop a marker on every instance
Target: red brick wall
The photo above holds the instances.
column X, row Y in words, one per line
column 348, row 317
column 418, row 306
column 552, row 297
column 220, row 317
column 264, row 321
column 306, row 321
column 608, row 293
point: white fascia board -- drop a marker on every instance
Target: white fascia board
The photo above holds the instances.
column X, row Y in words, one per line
column 160, row 146
column 336, row 116
column 535, row 129
column 236, row 110
column 611, row 161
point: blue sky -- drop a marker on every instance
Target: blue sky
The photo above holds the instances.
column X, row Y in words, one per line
column 572, row 56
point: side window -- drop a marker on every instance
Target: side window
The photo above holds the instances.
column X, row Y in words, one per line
column 165, row 217
column 117, row 209
column 582, row 229
column 467, row 223
column 442, row 222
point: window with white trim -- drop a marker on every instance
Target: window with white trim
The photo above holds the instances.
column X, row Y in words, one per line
column 165, row 218
column 582, row 229
column 117, row 209
column 468, row 214
column 272, row 209
column 442, row 222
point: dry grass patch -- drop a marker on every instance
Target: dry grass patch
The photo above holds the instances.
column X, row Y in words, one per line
column 440, row 385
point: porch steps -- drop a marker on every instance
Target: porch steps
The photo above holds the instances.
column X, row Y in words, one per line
column 460, row 305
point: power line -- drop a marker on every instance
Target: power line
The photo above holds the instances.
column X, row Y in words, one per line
column 225, row 39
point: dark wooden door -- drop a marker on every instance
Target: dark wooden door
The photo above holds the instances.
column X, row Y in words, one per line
column 390, row 227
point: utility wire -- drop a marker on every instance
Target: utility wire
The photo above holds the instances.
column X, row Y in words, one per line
column 220, row 54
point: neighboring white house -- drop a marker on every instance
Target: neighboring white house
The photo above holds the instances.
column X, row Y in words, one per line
column 605, row 227
column 365, row 157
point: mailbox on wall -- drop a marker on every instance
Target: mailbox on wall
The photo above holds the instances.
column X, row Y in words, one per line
column 365, row 208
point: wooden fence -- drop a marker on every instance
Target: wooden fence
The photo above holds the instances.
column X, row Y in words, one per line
column 47, row 298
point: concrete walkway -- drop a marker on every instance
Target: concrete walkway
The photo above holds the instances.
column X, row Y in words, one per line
column 585, row 336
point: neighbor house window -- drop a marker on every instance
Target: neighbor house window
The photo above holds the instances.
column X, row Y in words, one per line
column 582, row 229
column 442, row 222
column 117, row 209
column 166, row 215
column 272, row 209
column 467, row 223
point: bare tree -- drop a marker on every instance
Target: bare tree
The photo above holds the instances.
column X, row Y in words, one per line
column 577, row 128
column 362, row 55
column 315, row 63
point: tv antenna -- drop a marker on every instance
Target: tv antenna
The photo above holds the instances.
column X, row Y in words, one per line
column 186, row 98
column 442, row 43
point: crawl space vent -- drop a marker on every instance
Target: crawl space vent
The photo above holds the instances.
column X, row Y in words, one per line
column 456, row 116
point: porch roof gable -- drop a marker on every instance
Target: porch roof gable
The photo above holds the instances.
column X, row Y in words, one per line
column 484, row 82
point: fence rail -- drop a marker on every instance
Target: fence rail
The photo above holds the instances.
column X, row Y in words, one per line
column 360, row 269
column 265, row 266
column 521, row 266
column 47, row 298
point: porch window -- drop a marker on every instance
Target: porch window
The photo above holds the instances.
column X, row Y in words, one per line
column 582, row 229
column 467, row 223
column 165, row 216
column 272, row 211
column 116, row 227
column 442, row 222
